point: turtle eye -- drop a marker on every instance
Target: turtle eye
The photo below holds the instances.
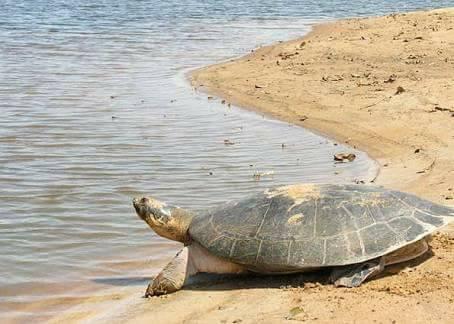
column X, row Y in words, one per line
column 144, row 200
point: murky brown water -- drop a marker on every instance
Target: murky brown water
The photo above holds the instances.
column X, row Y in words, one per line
column 96, row 109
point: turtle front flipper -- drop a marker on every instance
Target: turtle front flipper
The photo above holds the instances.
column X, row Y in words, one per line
column 355, row 274
column 173, row 276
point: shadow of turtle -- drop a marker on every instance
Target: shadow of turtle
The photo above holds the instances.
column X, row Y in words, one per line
column 212, row 282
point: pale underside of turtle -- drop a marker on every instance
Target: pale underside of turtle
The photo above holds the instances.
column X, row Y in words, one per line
column 354, row 229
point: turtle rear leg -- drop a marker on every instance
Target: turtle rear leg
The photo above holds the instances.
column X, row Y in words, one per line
column 173, row 276
column 355, row 274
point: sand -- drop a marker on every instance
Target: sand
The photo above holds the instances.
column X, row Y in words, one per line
column 384, row 85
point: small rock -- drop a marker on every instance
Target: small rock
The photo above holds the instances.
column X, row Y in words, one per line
column 310, row 285
column 332, row 78
column 223, row 101
column 296, row 310
column 210, row 98
column 344, row 157
column 391, row 78
column 258, row 86
column 399, row 90
column 417, row 150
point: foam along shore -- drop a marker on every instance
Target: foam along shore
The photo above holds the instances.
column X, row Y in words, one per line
column 385, row 85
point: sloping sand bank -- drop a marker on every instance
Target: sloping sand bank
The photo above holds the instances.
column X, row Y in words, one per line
column 385, row 85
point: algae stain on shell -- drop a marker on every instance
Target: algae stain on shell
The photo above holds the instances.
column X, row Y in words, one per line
column 374, row 199
column 295, row 219
column 298, row 193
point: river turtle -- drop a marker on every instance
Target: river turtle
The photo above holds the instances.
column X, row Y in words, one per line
column 355, row 230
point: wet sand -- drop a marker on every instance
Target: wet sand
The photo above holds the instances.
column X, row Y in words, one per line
column 384, row 85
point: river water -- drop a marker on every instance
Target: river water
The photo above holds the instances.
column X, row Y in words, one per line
column 95, row 109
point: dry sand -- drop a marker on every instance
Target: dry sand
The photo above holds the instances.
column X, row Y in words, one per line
column 384, row 85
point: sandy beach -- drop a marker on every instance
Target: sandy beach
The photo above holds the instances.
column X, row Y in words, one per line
column 384, row 85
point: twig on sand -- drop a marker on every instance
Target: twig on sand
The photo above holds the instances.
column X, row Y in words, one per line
column 375, row 103
column 375, row 178
column 430, row 167
column 398, row 92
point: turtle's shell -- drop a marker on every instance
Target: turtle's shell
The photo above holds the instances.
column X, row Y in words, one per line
column 311, row 226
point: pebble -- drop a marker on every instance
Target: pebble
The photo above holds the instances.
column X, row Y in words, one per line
column 344, row 157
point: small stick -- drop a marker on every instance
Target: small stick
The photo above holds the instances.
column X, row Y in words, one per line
column 430, row 167
column 375, row 103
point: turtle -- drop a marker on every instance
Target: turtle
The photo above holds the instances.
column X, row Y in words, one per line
column 352, row 230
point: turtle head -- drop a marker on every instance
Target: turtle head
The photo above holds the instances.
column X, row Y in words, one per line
column 167, row 221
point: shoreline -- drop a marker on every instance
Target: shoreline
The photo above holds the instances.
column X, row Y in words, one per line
column 375, row 169
column 420, row 294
